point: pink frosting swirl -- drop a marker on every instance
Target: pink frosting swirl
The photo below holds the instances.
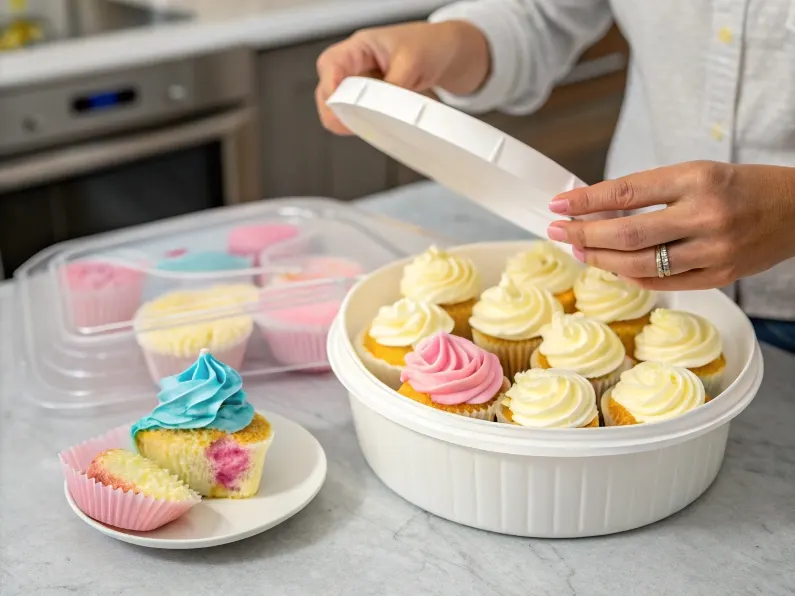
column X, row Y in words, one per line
column 453, row 370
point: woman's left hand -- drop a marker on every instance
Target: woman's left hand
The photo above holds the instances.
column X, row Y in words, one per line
column 721, row 222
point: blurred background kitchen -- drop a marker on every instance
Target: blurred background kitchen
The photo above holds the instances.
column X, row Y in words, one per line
column 120, row 112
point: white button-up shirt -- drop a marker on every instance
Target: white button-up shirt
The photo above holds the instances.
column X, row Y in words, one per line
column 708, row 79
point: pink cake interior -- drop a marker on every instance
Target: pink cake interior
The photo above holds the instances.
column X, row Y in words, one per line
column 230, row 462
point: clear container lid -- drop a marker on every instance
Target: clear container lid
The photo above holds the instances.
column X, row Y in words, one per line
column 278, row 268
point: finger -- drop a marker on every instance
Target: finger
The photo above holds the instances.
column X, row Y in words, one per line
column 327, row 117
column 405, row 71
column 683, row 256
column 644, row 189
column 697, row 279
column 633, row 232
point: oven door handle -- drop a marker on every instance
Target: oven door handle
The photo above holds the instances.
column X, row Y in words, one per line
column 67, row 162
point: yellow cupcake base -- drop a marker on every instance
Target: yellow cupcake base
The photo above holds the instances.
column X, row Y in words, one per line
column 484, row 411
column 212, row 462
column 460, row 313
column 568, row 301
column 627, row 331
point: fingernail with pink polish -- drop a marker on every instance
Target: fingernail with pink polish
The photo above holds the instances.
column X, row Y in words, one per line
column 556, row 233
column 578, row 253
column 559, row 206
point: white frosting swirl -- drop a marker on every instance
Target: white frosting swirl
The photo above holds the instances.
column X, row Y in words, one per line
column 551, row 398
column 407, row 322
column 506, row 312
column 602, row 295
column 653, row 391
column 678, row 338
column 543, row 264
column 441, row 278
column 582, row 345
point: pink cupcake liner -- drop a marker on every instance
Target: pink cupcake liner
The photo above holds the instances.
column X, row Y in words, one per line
column 113, row 506
column 297, row 347
column 166, row 365
column 104, row 307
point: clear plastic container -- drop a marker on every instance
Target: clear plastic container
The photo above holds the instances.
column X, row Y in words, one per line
column 78, row 333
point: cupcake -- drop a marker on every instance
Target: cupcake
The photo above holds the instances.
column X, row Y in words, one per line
column 685, row 340
column 298, row 308
column 545, row 265
column 549, row 398
column 507, row 321
column 311, row 269
column 652, row 392
column 113, row 485
column 451, row 374
column 175, row 327
column 249, row 241
column 128, row 471
column 100, row 293
column 448, row 280
column 394, row 332
column 624, row 306
column 585, row 346
column 205, row 432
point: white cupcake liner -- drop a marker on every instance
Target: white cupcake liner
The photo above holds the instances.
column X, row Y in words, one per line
column 713, row 384
column 296, row 346
column 166, row 365
column 601, row 384
column 113, row 506
column 607, row 419
column 388, row 374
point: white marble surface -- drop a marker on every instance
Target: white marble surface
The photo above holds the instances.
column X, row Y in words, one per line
column 213, row 24
column 357, row 538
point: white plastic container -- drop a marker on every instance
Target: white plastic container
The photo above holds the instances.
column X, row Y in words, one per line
column 540, row 482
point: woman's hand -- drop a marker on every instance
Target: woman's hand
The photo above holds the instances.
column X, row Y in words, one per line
column 721, row 222
column 453, row 55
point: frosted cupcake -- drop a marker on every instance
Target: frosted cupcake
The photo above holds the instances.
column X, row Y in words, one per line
column 652, row 392
column 585, row 346
column 545, row 265
column 549, row 398
column 101, row 293
column 175, row 327
column 507, row 321
column 394, row 332
column 448, row 280
column 205, row 432
column 624, row 306
column 686, row 340
column 451, row 374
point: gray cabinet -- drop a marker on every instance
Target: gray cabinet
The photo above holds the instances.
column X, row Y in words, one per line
column 300, row 158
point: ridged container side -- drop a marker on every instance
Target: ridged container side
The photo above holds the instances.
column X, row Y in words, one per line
column 545, row 497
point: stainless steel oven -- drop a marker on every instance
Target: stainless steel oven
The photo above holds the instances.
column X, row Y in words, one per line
column 108, row 150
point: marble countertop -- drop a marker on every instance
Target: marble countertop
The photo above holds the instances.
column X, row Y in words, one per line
column 357, row 538
column 213, row 24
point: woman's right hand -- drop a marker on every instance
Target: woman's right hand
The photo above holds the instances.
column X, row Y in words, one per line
column 452, row 55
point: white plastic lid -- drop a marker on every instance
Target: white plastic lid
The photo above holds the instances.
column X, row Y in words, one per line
column 464, row 154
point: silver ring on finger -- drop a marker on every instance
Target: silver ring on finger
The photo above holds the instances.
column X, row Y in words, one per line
column 663, row 261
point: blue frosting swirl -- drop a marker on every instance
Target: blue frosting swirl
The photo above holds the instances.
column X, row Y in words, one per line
column 197, row 262
column 209, row 394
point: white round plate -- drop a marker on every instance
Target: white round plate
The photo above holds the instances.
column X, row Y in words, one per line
column 295, row 469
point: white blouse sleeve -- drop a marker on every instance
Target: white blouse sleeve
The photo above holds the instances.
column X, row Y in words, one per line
column 533, row 43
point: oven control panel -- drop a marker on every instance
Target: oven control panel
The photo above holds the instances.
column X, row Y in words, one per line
column 79, row 109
